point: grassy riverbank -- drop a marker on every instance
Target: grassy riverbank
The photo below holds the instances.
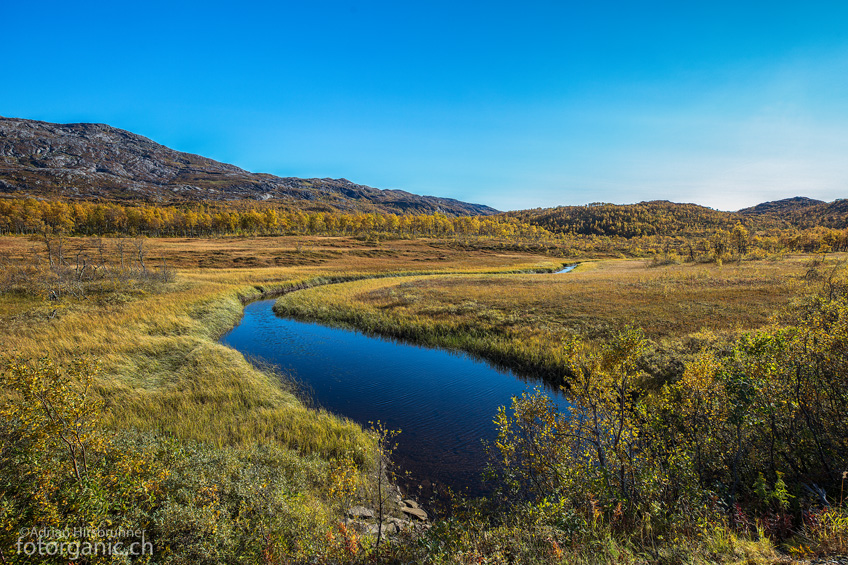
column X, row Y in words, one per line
column 220, row 462
column 157, row 341
column 673, row 450
column 194, row 410
column 520, row 321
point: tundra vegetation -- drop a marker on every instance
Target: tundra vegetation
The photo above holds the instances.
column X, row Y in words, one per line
column 706, row 375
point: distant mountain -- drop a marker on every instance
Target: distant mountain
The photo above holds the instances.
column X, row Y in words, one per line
column 782, row 208
column 659, row 217
column 97, row 161
column 803, row 212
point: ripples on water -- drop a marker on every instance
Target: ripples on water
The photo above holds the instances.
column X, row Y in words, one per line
column 443, row 402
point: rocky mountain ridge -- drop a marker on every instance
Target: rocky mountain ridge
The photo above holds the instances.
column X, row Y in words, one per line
column 97, row 161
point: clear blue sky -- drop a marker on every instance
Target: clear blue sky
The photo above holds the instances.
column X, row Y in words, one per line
column 515, row 105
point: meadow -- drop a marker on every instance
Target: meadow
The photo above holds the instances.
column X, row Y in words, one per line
column 520, row 320
column 233, row 467
column 152, row 338
column 162, row 375
column 674, row 372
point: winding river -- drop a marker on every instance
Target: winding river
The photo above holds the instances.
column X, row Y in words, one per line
column 443, row 402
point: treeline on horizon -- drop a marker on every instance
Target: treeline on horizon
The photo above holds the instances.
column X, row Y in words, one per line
column 685, row 230
column 31, row 216
column 661, row 217
column 628, row 220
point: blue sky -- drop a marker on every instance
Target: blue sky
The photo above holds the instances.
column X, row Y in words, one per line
column 515, row 105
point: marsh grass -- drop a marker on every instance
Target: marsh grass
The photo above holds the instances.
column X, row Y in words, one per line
column 520, row 320
column 280, row 253
column 166, row 376
column 164, row 370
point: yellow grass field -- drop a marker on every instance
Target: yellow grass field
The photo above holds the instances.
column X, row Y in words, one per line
column 165, row 372
column 163, row 367
column 520, row 320
column 602, row 296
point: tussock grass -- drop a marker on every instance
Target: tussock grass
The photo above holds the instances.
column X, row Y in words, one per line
column 165, row 372
column 519, row 320
column 275, row 254
column 163, row 368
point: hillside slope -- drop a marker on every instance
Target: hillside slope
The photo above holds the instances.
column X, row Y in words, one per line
column 658, row 217
column 664, row 218
column 803, row 212
column 97, row 161
column 782, row 208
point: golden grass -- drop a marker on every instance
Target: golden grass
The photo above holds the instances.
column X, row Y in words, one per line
column 163, row 367
column 520, row 320
column 594, row 299
column 268, row 252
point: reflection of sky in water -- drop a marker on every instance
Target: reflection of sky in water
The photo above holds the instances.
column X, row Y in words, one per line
column 443, row 402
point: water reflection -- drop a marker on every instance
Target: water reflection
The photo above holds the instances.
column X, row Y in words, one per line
column 443, row 402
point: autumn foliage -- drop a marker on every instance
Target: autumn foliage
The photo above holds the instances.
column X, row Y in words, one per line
column 750, row 433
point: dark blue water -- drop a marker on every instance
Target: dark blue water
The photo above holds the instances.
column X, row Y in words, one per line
column 444, row 403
